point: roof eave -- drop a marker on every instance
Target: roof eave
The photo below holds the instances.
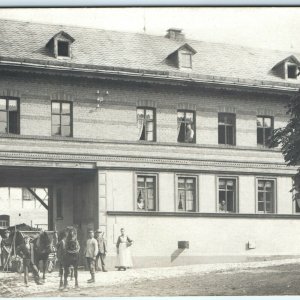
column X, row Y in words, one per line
column 163, row 75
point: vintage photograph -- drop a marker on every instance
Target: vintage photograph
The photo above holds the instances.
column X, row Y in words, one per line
column 149, row 151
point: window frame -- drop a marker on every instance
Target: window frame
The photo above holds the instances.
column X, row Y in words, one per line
column 272, row 129
column 186, row 53
column 228, row 177
column 60, row 114
column 197, row 205
column 7, row 98
column 288, row 65
column 57, row 47
column 145, row 108
column 274, row 180
column 296, row 188
column 194, row 123
column 135, row 191
column 227, row 125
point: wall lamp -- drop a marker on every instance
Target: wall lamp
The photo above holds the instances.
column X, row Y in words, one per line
column 100, row 97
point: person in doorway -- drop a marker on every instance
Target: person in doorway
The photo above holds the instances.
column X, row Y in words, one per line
column 91, row 254
column 123, row 250
column 102, row 250
column 6, row 249
column 189, row 137
column 223, row 206
column 26, row 252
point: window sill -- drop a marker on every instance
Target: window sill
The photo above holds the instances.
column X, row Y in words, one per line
column 202, row 215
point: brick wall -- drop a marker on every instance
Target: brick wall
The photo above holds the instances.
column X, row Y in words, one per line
column 116, row 119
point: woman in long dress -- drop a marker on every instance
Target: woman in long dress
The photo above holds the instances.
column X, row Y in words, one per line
column 124, row 260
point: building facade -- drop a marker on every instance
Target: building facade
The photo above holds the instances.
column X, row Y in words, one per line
column 166, row 137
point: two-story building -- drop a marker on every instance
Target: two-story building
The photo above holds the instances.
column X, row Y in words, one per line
column 165, row 136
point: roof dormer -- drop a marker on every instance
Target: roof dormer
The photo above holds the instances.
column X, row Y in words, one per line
column 182, row 57
column 60, row 45
column 287, row 68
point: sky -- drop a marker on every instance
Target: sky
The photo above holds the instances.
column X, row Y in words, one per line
column 260, row 27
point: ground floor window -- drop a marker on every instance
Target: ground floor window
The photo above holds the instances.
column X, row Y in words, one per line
column 146, row 193
column 227, row 195
column 266, row 196
column 186, row 199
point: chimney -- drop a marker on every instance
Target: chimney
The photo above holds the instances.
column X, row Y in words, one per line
column 175, row 34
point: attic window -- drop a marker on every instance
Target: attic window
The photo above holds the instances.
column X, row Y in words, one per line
column 292, row 71
column 186, row 60
column 63, row 49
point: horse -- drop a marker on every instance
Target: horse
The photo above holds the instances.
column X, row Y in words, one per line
column 43, row 245
column 71, row 256
column 61, row 247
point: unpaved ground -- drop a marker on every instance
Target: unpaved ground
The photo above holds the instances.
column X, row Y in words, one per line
column 257, row 278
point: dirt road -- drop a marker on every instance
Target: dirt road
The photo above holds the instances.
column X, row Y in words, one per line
column 279, row 280
column 256, row 278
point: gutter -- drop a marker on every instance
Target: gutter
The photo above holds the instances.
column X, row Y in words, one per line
column 162, row 75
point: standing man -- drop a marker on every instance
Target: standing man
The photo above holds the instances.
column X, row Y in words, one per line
column 91, row 254
column 101, row 250
column 6, row 251
column 26, row 252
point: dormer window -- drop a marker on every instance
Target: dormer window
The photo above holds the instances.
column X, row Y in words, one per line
column 182, row 57
column 292, row 71
column 60, row 45
column 63, row 49
column 287, row 68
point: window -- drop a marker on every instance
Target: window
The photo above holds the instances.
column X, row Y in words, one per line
column 186, row 60
column 186, row 199
column 226, row 128
column 63, row 48
column 292, row 71
column 186, row 127
column 146, row 124
column 146, row 193
column 59, row 203
column 9, row 116
column 266, row 196
column 3, row 223
column 264, row 130
column 296, row 194
column 61, row 118
column 227, row 195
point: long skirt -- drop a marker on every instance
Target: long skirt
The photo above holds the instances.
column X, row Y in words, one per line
column 124, row 257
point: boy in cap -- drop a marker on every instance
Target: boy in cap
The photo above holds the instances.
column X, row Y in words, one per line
column 91, row 253
column 101, row 250
column 26, row 252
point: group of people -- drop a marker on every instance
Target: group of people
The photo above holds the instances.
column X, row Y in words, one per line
column 67, row 250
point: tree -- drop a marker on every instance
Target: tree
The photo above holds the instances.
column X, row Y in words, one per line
column 288, row 137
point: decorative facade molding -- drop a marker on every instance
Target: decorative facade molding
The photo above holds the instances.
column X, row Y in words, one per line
column 202, row 215
column 146, row 103
column 10, row 93
column 187, row 106
column 227, row 109
column 265, row 112
column 62, row 96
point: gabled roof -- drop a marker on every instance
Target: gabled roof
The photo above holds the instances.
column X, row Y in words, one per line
column 186, row 46
column 291, row 58
column 135, row 51
column 61, row 34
